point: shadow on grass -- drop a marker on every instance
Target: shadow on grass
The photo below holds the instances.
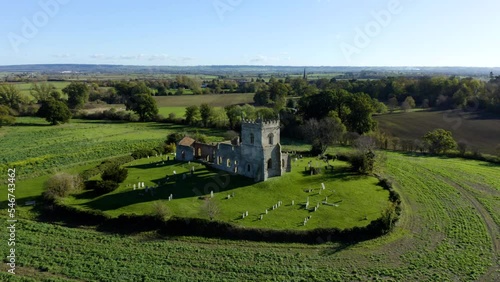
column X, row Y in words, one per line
column 200, row 184
column 338, row 247
column 342, row 173
column 32, row 124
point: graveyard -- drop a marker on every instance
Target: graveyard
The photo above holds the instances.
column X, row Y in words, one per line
column 298, row 200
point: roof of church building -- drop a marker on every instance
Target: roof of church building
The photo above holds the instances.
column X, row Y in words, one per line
column 186, row 141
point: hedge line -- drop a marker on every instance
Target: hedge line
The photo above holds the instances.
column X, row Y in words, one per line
column 177, row 226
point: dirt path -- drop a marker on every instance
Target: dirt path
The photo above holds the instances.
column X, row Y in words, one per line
column 493, row 273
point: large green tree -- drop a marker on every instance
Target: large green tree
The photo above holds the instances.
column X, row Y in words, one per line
column 6, row 117
column 323, row 133
column 44, row 91
column 54, row 111
column 144, row 105
column 78, row 94
column 206, row 112
column 192, row 114
column 10, row 96
column 439, row 141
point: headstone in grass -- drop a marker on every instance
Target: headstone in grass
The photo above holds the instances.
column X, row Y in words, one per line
column 323, row 186
column 211, row 194
column 134, row 186
column 293, row 202
column 261, row 216
column 266, row 211
column 246, row 213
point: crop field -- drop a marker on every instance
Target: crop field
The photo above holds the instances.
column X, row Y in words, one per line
column 35, row 148
column 219, row 100
column 351, row 199
column 449, row 232
column 479, row 131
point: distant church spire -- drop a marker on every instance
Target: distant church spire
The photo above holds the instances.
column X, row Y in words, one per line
column 305, row 75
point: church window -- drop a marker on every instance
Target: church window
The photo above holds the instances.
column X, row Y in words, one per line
column 271, row 138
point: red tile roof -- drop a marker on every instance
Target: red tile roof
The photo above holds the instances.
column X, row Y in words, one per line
column 186, row 141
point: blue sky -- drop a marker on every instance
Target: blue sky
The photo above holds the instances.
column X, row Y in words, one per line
column 251, row 32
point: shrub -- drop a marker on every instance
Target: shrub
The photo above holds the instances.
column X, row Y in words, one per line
column 161, row 211
column 142, row 153
column 105, row 186
column 115, row 173
column 87, row 174
column 61, row 185
column 362, row 162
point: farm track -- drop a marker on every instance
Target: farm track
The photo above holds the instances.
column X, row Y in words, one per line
column 493, row 273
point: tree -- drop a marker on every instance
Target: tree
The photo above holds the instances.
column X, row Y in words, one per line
column 462, row 147
column 54, row 111
column 6, row 117
column 144, row 105
column 206, row 112
column 210, row 208
column 359, row 118
column 78, row 94
column 10, row 96
column 439, row 141
column 261, row 97
column 115, row 173
column 192, row 114
column 44, row 91
column 323, row 133
column 408, row 103
column 392, row 104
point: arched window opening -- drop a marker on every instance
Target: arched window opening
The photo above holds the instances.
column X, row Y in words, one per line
column 271, row 138
column 252, row 138
column 270, row 164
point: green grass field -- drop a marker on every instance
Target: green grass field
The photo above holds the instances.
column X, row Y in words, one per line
column 178, row 111
column 479, row 131
column 25, row 87
column 449, row 231
column 358, row 199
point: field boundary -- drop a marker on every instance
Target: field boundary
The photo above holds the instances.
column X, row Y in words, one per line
column 57, row 212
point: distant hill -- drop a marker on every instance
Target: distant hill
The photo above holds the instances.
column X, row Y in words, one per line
column 477, row 129
column 247, row 69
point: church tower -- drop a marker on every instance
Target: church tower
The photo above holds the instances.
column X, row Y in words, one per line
column 261, row 150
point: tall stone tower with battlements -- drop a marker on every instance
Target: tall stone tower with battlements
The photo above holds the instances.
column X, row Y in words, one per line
column 261, row 149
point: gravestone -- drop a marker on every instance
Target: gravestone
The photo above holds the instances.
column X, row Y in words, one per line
column 211, row 194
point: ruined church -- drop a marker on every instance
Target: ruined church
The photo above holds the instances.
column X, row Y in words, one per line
column 256, row 155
